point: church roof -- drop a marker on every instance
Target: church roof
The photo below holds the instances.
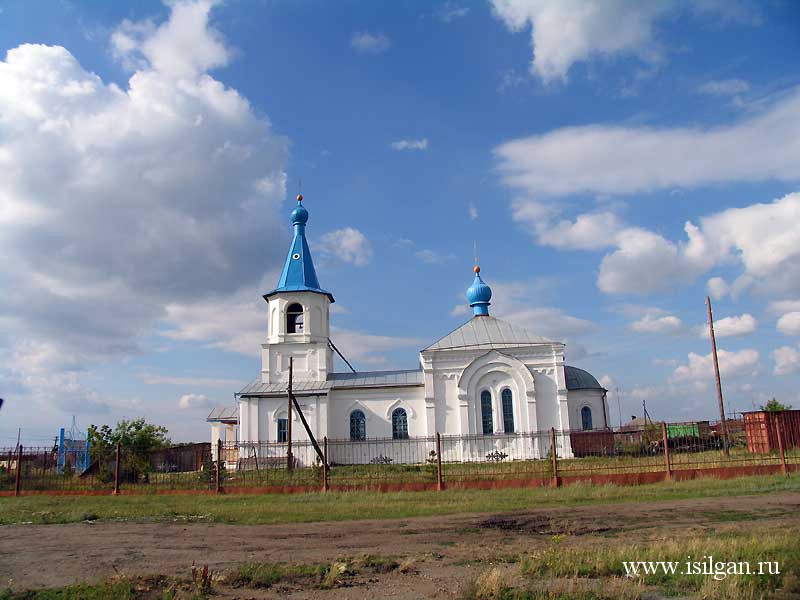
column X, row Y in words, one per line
column 366, row 379
column 578, row 379
column 298, row 273
column 487, row 332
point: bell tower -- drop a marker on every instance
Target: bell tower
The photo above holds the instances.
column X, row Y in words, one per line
column 298, row 316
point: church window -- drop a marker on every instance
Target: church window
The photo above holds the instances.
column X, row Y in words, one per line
column 586, row 418
column 358, row 425
column 486, row 413
column 508, row 411
column 294, row 319
column 399, row 424
column 283, row 430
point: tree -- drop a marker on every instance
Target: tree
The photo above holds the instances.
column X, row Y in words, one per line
column 136, row 438
column 774, row 406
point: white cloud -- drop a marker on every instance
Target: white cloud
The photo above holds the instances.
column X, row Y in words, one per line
column 118, row 202
column 787, row 360
column 364, row 348
column 194, row 401
column 589, row 231
column 152, row 379
column 780, row 307
column 789, row 323
column 183, row 46
column 421, row 144
column 564, row 33
column 730, row 326
column 724, row 87
column 763, row 238
column 348, row 245
column 609, row 159
column 473, row 212
column 700, row 369
column 450, row 11
column 371, row 43
column 656, row 321
column 717, row 288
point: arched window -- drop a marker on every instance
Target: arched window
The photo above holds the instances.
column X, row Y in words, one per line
column 399, row 424
column 486, row 413
column 358, row 425
column 294, row 318
column 586, row 418
column 508, row 411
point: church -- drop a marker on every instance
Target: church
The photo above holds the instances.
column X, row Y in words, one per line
column 488, row 377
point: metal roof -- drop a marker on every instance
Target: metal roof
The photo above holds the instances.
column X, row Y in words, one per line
column 298, row 273
column 403, row 378
column 487, row 332
column 378, row 379
column 224, row 413
column 578, row 379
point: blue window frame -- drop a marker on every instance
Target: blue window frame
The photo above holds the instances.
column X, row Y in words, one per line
column 508, row 411
column 586, row 418
column 358, row 425
column 399, row 424
column 283, row 430
column 486, row 413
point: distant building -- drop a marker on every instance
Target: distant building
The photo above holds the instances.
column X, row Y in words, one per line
column 487, row 377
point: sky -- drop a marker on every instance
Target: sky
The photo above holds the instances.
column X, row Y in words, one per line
column 615, row 162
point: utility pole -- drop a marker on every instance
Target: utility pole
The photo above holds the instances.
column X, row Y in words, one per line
column 723, row 423
column 619, row 407
column 289, row 460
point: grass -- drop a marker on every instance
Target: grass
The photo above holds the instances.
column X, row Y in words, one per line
column 343, row 506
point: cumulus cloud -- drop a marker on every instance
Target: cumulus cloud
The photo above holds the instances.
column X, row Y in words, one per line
column 450, row 11
column 194, row 401
column 700, row 369
column 730, row 326
column 610, row 159
column 370, row 43
column 364, row 348
column 421, row 144
column 656, row 321
column 789, row 323
column 347, row 245
column 564, row 33
column 432, row 257
column 119, row 202
column 787, row 360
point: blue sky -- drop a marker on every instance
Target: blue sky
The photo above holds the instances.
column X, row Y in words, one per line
column 615, row 162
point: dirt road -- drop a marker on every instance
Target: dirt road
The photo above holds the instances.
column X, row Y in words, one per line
column 440, row 553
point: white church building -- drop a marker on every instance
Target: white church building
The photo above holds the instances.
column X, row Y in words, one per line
column 488, row 377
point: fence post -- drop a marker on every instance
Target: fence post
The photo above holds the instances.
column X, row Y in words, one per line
column 665, row 439
column 217, row 487
column 18, row 474
column 556, row 482
column 779, row 426
column 439, row 481
column 116, row 470
column 325, row 483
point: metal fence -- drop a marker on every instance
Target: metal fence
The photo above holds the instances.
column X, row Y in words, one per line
column 646, row 453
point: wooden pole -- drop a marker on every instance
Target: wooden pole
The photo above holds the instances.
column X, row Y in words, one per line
column 116, row 470
column 781, row 447
column 325, row 482
column 725, row 440
column 217, row 474
column 556, row 482
column 665, row 439
column 439, row 480
column 289, row 458
column 18, row 474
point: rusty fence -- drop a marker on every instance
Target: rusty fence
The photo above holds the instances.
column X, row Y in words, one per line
column 627, row 455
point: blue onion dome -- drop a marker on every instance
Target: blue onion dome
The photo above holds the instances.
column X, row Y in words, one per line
column 479, row 294
column 299, row 214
